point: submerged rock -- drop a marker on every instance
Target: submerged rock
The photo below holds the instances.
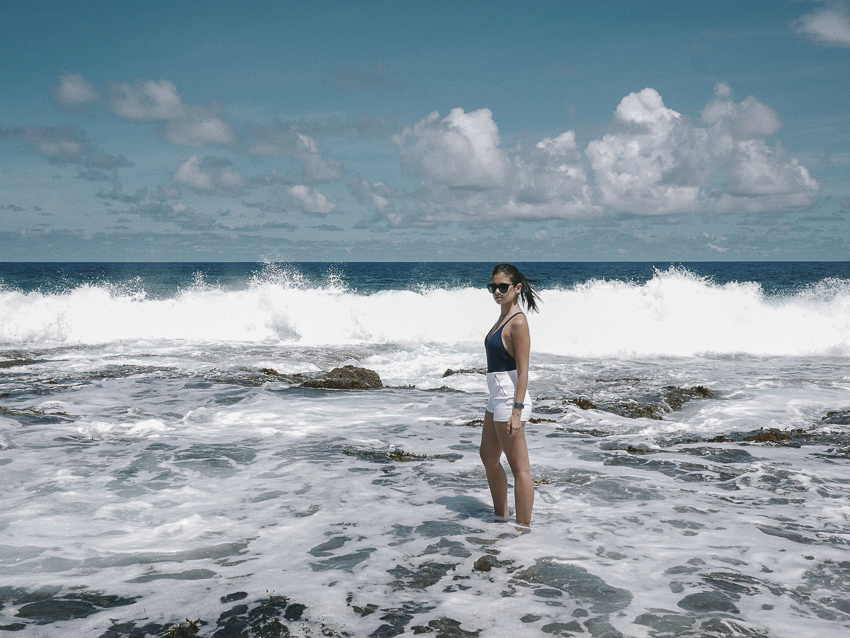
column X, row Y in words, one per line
column 420, row 577
column 11, row 363
column 266, row 617
column 78, row 605
column 445, row 628
column 633, row 403
column 792, row 437
column 710, row 601
column 576, row 582
column 837, row 417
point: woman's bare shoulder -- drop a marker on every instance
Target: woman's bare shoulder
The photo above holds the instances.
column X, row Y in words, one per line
column 519, row 322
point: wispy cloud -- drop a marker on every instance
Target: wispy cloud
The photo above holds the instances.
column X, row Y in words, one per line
column 210, row 175
column 376, row 78
column 67, row 145
column 828, row 25
column 59, row 145
column 177, row 213
column 285, row 140
column 315, row 167
column 181, row 124
column 74, row 93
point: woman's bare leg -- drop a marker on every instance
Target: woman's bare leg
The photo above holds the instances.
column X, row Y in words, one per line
column 516, row 451
column 491, row 455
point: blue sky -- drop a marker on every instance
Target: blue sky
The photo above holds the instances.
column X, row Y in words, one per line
column 427, row 130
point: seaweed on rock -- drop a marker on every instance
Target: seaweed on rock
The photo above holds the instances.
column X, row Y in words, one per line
column 345, row 378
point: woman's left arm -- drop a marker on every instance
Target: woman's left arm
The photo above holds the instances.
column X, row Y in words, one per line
column 521, row 341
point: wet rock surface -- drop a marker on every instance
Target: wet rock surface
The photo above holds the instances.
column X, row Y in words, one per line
column 47, row 606
column 614, row 472
column 576, row 582
column 268, row 617
column 451, row 372
column 344, row 378
column 396, row 456
column 837, row 417
column 792, row 437
column 628, row 398
column 420, row 577
column 444, row 628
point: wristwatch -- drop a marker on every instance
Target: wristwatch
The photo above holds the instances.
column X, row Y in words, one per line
column 519, row 405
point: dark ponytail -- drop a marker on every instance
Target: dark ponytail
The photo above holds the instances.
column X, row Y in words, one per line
column 528, row 294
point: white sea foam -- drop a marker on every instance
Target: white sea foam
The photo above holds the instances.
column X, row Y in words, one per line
column 675, row 313
column 144, row 454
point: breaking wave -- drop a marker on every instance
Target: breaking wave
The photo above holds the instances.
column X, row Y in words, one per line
column 675, row 313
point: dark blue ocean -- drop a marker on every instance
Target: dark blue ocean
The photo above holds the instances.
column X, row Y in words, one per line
column 164, row 278
column 165, row 470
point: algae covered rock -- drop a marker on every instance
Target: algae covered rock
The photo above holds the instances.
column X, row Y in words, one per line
column 451, row 372
column 346, row 378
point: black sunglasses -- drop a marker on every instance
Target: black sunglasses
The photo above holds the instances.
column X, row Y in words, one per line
column 503, row 288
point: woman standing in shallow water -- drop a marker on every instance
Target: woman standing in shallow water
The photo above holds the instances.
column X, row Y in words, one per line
column 508, row 345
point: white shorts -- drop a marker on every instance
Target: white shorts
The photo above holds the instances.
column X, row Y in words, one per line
column 502, row 386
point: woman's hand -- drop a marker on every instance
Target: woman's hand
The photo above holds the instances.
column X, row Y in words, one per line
column 514, row 423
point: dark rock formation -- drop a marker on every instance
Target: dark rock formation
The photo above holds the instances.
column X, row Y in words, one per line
column 582, row 403
column 837, row 417
column 771, row 436
column 345, row 378
column 647, row 405
column 450, row 372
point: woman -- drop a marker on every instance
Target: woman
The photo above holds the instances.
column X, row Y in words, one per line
column 508, row 345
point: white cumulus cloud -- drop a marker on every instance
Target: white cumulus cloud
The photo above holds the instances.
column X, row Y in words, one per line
column 656, row 161
column 459, row 151
column 637, row 165
column 746, row 121
column 549, row 180
column 310, row 200
column 652, row 161
column 466, row 174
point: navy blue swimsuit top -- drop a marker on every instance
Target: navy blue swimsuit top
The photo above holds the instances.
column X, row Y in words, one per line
column 498, row 358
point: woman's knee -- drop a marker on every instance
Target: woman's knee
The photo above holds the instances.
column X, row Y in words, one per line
column 489, row 457
column 520, row 471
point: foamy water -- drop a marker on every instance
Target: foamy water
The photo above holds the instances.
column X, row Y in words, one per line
column 675, row 313
column 145, row 456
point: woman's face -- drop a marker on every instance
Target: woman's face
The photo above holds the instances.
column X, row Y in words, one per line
column 507, row 297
